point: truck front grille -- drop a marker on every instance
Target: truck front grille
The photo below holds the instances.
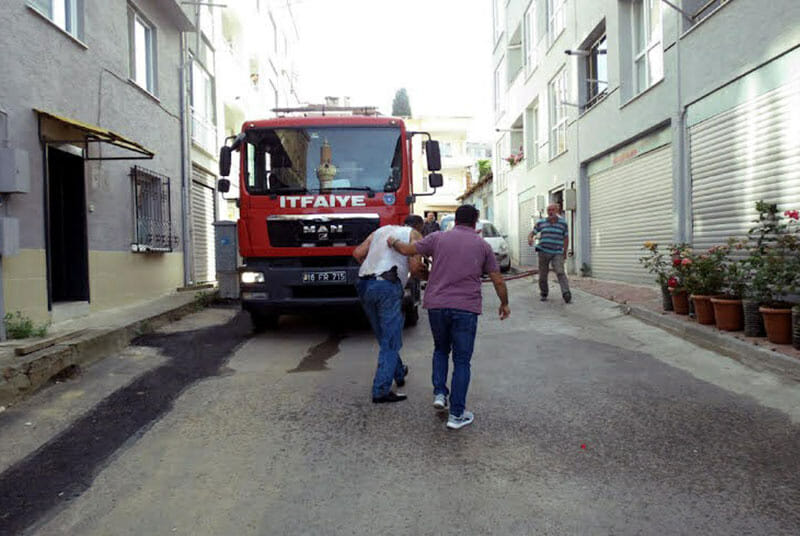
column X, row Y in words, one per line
column 317, row 232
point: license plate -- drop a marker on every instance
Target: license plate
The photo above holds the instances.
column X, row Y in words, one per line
column 325, row 277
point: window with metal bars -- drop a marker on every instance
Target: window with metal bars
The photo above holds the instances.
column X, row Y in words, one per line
column 152, row 212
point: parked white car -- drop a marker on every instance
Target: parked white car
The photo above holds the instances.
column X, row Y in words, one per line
column 498, row 242
column 489, row 232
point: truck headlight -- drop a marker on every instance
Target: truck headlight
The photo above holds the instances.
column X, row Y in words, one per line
column 248, row 278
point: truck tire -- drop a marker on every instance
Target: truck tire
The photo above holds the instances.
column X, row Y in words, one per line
column 412, row 316
column 263, row 322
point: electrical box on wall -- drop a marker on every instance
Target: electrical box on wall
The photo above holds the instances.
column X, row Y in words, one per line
column 15, row 172
column 570, row 199
column 9, row 236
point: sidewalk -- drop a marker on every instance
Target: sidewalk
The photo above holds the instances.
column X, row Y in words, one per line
column 28, row 364
column 644, row 303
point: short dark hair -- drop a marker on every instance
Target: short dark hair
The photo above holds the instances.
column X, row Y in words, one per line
column 467, row 215
column 412, row 220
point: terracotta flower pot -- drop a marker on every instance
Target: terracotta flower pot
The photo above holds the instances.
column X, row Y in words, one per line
column 728, row 314
column 703, row 309
column 796, row 326
column 680, row 301
column 778, row 323
column 753, row 321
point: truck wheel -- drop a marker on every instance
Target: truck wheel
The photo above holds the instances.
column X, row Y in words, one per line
column 263, row 322
column 412, row 316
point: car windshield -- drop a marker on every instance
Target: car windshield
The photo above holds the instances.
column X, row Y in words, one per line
column 323, row 159
column 489, row 231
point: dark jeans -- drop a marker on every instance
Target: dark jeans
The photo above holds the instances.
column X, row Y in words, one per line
column 383, row 304
column 453, row 329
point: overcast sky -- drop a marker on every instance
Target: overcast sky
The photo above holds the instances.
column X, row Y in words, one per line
column 439, row 50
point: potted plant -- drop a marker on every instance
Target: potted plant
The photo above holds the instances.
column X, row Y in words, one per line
column 779, row 267
column 681, row 267
column 728, row 311
column 658, row 263
column 515, row 158
column 796, row 326
column 704, row 281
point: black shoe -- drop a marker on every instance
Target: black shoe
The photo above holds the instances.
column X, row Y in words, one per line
column 391, row 397
column 402, row 381
column 567, row 296
column 543, row 297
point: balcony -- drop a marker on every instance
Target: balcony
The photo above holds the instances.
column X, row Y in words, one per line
column 204, row 133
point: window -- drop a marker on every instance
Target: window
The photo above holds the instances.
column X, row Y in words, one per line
column 558, row 113
column 142, row 43
column 501, row 164
column 497, row 95
column 447, row 149
column 497, row 19
column 207, row 21
column 66, row 14
column 597, row 71
column 530, row 38
column 152, row 211
column 532, row 135
column 648, row 56
column 555, row 20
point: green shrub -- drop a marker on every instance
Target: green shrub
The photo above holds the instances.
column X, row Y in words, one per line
column 19, row 326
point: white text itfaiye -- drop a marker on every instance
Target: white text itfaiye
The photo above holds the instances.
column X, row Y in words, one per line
column 327, row 201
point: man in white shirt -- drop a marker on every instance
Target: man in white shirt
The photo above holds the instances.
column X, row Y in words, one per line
column 381, row 282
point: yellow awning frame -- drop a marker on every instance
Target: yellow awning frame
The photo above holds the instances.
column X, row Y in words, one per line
column 93, row 134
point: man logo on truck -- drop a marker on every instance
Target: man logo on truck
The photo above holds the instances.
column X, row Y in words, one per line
column 322, row 231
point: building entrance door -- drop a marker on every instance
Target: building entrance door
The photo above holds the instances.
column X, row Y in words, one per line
column 66, row 227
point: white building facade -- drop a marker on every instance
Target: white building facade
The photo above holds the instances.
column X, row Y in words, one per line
column 645, row 120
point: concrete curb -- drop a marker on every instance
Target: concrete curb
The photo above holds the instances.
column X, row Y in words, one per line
column 746, row 353
column 30, row 372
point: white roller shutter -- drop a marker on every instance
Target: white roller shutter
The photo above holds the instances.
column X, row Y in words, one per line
column 746, row 154
column 527, row 211
column 630, row 204
column 203, row 232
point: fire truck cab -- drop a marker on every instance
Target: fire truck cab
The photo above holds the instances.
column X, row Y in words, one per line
column 313, row 187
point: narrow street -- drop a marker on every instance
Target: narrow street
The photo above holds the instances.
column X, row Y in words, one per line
column 587, row 422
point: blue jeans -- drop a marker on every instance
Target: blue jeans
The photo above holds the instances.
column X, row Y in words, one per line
column 383, row 304
column 453, row 329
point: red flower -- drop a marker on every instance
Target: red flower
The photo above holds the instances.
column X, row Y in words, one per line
column 676, row 262
column 672, row 282
column 792, row 214
column 686, row 262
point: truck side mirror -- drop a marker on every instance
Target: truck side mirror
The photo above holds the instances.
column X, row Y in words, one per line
column 434, row 158
column 224, row 186
column 435, row 180
column 225, row 161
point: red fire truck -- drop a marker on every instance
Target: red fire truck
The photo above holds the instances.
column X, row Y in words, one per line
column 312, row 187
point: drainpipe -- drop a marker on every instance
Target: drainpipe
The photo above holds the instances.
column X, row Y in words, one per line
column 4, row 202
column 682, row 173
column 187, row 273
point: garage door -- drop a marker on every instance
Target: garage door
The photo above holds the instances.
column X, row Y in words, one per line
column 630, row 204
column 741, row 156
column 203, row 232
column 527, row 212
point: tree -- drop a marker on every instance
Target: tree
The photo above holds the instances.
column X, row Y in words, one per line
column 401, row 107
column 484, row 168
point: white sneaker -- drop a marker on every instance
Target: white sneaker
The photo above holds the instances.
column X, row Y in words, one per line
column 439, row 401
column 454, row 423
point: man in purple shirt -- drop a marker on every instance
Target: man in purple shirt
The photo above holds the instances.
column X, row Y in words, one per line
column 453, row 301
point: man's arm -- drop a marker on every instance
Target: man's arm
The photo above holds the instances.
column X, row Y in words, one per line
column 415, row 264
column 401, row 247
column 502, row 293
column 360, row 253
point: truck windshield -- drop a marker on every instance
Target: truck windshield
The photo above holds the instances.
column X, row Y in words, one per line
column 323, row 159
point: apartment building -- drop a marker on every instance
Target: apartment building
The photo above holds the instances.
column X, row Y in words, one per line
column 645, row 120
column 90, row 104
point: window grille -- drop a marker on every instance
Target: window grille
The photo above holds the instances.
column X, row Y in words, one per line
column 152, row 211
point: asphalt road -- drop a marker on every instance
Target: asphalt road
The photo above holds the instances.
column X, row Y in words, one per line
column 587, row 422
